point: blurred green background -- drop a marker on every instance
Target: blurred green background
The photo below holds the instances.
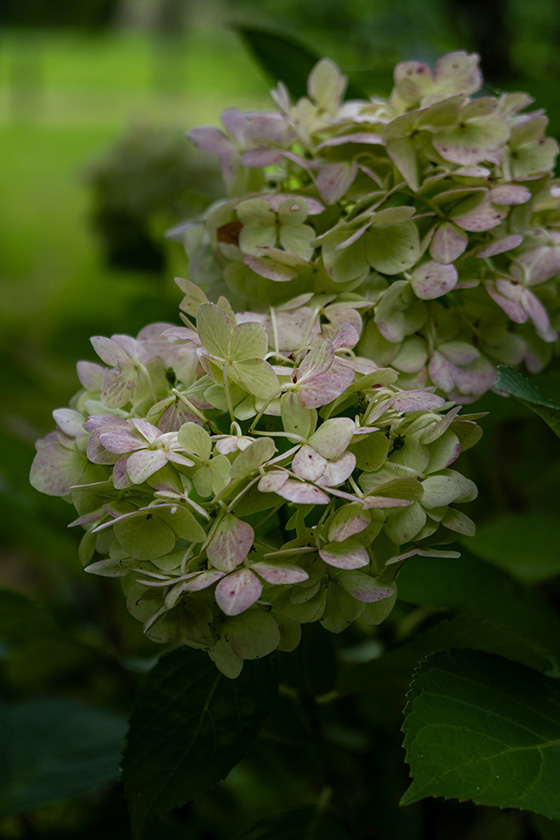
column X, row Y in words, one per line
column 95, row 98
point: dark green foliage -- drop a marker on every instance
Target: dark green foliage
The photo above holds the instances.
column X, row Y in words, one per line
column 482, row 729
column 190, row 726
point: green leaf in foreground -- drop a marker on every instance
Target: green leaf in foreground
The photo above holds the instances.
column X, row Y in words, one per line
column 189, row 728
column 480, row 728
column 514, row 383
column 285, row 59
column 55, row 749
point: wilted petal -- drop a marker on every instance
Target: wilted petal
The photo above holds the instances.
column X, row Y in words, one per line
column 204, row 580
column 230, row 543
column 279, row 574
column 334, row 180
column 141, row 465
column 349, row 554
column 338, row 471
column 237, row 592
column 365, row 588
column 417, row 401
column 500, row 246
column 210, row 139
column 432, row 280
column 302, row 494
column 308, row 464
column 448, row 243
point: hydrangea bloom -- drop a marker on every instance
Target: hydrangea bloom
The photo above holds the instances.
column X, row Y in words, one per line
column 434, row 212
column 245, row 474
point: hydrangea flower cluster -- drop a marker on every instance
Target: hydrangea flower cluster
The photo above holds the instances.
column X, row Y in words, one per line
column 245, row 474
column 434, row 212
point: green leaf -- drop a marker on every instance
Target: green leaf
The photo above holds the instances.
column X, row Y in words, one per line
column 476, row 588
column 189, row 728
column 514, row 383
column 54, row 749
column 480, row 728
column 527, row 547
column 285, row 59
column 459, row 632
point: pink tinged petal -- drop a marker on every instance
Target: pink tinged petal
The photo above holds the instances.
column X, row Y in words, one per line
column 120, row 477
column 279, row 575
column 56, row 469
column 256, row 158
column 318, row 360
column 118, row 386
column 302, row 494
column 510, row 194
column 177, row 458
column 120, row 441
column 230, row 543
column 203, row 580
column 441, row 372
column 448, row 243
column 97, row 453
column 69, row 421
column 109, row 351
column 272, row 482
column 270, row 269
column 432, row 280
column 141, row 465
column 384, row 502
column 105, row 423
column 321, row 390
column 346, row 336
column 365, row 588
column 210, row 139
column 512, row 308
column 236, row 124
column 149, row 432
column 334, row 180
column 459, row 352
column 485, row 217
column 308, row 464
column 90, row 375
column 338, row 471
column 357, row 137
column 500, row 246
column 476, row 378
column 349, row 554
column 542, row 263
column 417, row 401
column 538, row 315
column 458, row 72
column 347, row 522
column 133, row 348
column 237, row 592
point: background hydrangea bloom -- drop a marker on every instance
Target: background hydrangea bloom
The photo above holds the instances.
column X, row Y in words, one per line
column 436, row 209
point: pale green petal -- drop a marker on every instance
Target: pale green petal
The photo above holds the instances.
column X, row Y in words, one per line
column 214, row 328
column 392, row 249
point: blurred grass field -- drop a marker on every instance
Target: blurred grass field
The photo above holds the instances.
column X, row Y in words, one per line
column 64, row 101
